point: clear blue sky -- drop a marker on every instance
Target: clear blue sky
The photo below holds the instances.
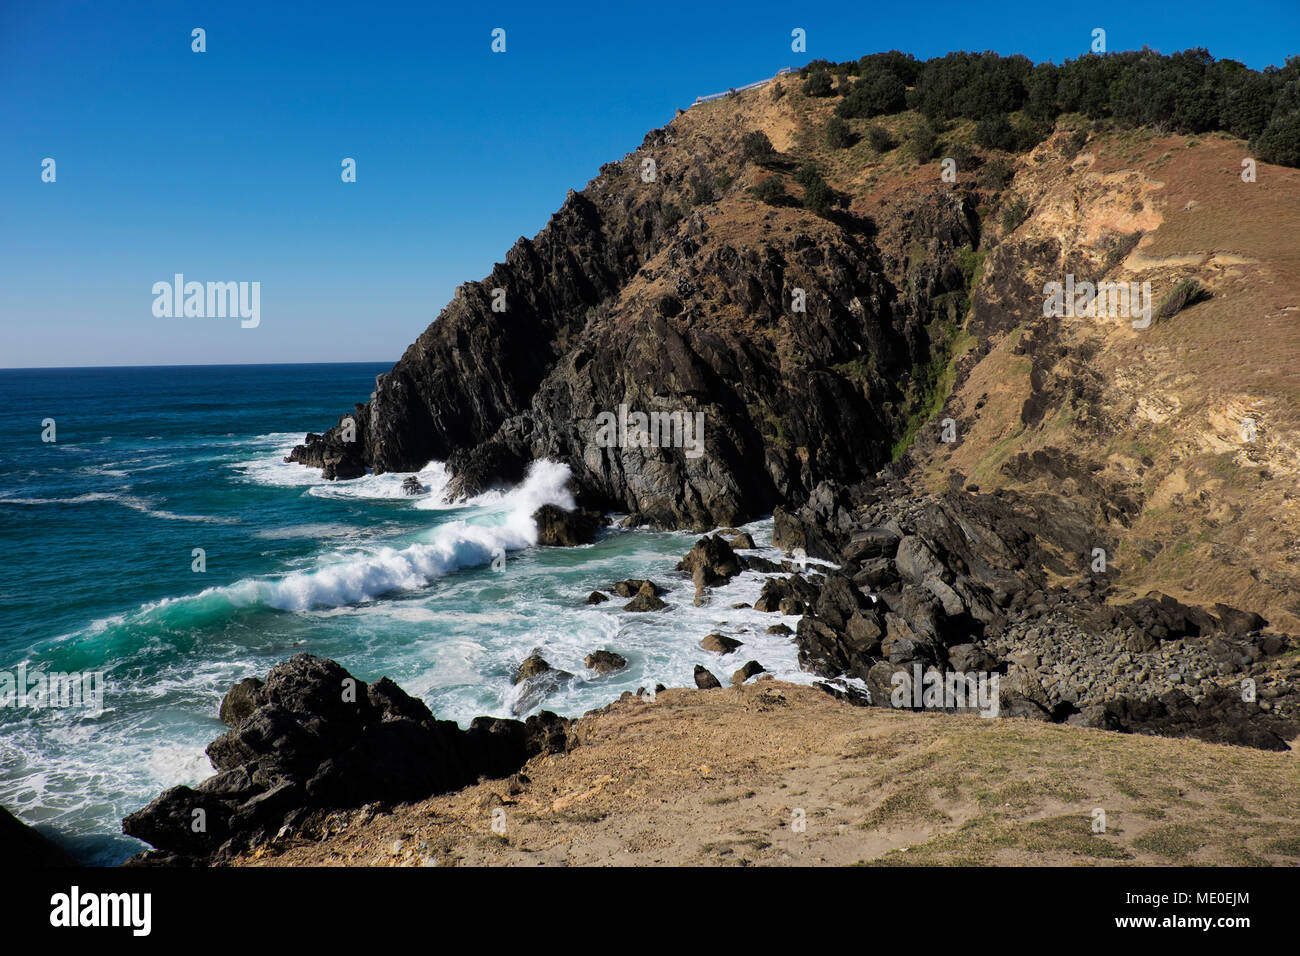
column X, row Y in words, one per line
column 225, row 165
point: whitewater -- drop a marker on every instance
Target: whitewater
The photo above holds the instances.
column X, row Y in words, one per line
column 446, row 598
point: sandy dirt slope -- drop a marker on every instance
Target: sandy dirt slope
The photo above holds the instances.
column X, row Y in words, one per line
column 720, row 777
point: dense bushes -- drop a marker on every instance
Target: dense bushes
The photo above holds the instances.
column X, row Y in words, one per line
column 817, row 195
column 757, row 148
column 1188, row 92
column 880, row 139
column 838, row 134
column 878, row 92
column 818, row 83
column 998, row 132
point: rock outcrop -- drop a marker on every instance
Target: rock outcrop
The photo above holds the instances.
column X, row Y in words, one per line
column 312, row 739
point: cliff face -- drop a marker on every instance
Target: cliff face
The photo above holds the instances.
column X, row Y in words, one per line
column 796, row 336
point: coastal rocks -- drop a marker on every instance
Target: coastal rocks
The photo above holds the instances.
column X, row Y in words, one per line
column 23, row 848
column 711, row 562
column 1220, row 716
column 240, row 701
column 705, row 680
column 634, row 586
column 534, row 665
column 536, row 680
column 746, row 671
column 316, row 739
column 605, row 662
column 719, row 643
column 828, row 652
column 595, row 597
column 795, row 589
column 559, row 528
column 646, row 599
column 412, row 486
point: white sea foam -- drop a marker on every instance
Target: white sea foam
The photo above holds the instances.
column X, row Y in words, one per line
column 366, row 575
column 134, row 502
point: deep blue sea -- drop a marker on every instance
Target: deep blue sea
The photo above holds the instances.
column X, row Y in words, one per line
column 97, row 536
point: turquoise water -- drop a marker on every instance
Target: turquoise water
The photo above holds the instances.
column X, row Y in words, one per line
column 97, row 534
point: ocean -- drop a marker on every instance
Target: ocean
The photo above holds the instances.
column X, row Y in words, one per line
column 98, row 536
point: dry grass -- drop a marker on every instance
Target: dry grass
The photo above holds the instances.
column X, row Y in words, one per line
column 717, row 777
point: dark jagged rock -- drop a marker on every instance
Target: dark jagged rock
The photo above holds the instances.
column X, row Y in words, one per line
column 559, row 528
column 746, row 671
column 634, row 586
column 533, row 665
column 719, row 643
column 603, row 661
column 316, row 739
column 595, row 597
column 1221, row 717
column 412, row 486
column 704, row 680
column 646, row 599
column 711, row 562
column 522, row 365
column 240, row 701
column 22, row 847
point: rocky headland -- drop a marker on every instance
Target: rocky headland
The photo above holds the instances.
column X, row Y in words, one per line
column 1100, row 513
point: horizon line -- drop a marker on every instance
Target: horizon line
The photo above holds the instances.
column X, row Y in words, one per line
column 88, row 368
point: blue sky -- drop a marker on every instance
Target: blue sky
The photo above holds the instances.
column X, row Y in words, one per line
column 225, row 165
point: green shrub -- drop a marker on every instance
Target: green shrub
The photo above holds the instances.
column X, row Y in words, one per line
column 838, row 134
column 1280, row 141
column 669, row 216
column 1185, row 293
column 757, row 148
column 818, row 197
column 769, row 190
column 702, row 192
column 878, row 92
column 880, row 139
column 818, row 84
column 925, row 141
column 997, row 174
column 1013, row 214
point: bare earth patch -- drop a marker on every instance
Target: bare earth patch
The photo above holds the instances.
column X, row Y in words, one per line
column 723, row 777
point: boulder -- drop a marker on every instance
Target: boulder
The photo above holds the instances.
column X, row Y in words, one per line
column 595, row 597
column 748, row 670
column 319, row 739
column 603, row 661
column 719, row 643
column 240, row 701
column 412, row 486
column 634, row 586
column 533, row 665
column 711, row 561
column 559, row 528
column 645, row 600
column 704, row 680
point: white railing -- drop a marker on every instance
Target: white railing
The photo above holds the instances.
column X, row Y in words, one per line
column 741, row 89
